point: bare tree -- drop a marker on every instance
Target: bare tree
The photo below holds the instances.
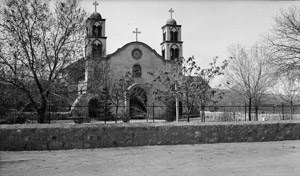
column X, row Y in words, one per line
column 203, row 94
column 36, row 44
column 284, row 41
column 119, row 90
column 192, row 84
column 288, row 89
column 248, row 74
column 170, row 90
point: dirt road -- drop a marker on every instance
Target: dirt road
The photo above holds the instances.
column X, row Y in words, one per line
column 238, row 159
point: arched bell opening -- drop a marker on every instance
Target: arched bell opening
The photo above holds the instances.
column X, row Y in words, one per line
column 96, row 48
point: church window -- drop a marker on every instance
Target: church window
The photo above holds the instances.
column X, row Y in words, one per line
column 136, row 53
column 163, row 53
column 164, row 36
column 174, row 35
column 96, row 48
column 174, row 52
column 136, row 71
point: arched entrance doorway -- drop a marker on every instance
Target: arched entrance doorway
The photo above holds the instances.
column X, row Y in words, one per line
column 94, row 105
column 137, row 102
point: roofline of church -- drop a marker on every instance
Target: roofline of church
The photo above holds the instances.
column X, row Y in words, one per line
column 135, row 42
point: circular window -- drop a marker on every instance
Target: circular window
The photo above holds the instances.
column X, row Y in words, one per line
column 136, row 53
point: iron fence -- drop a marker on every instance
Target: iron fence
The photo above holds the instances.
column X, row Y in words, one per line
column 151, row 114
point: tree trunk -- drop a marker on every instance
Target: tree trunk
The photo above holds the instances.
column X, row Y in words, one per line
column 202, row 113
column 256, row 112
column 291, row 110
column 188, row 106
column 116, row 118
column 282, row 110
column 42, row 111
column 41, row 114
column 249, row 110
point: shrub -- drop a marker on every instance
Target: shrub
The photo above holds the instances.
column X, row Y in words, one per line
column 14, row 119
column 170, row 111
column 126, row 117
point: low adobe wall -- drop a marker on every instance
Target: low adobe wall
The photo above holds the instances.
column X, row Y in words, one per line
column 79, row 136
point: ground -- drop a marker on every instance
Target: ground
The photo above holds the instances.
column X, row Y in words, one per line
column 237, row 159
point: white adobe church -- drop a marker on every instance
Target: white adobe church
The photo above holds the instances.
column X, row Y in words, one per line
column 135, row 57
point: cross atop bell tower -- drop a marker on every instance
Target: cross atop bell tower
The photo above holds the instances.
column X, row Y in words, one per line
column 171, row 11
column 95, row 4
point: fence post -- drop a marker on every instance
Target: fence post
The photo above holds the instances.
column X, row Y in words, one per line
column 234, row 116
column 147, row 118
column 105, row 113
column 245, row 112
column 188, row 115
column 49, row 115
column 293, row 110
column 153, row 112
column 282, row 109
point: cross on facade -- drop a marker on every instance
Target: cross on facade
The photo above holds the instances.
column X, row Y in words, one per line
column 136, row 33
column 95, row 4
column 171, row 11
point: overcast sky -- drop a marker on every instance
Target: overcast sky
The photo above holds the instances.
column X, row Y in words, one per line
column 208, row 27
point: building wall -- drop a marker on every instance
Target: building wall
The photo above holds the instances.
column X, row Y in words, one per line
column 122, row 61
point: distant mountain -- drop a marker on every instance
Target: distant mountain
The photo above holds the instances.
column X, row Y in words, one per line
column 231, row 98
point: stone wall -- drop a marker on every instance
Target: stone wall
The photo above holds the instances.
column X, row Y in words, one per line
column 78, row 136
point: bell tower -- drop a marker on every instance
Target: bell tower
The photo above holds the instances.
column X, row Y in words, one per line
column 95, row 35
column 171, row 46
column 95, row 46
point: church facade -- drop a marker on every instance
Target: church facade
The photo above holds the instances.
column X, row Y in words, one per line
column 135, row 57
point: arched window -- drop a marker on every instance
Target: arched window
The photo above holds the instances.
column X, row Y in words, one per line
column 97, row 29
column 163, row 53
column 174, row 52
column 164, row 36
column 174, row 35
column 136, row 71
column 96, row 48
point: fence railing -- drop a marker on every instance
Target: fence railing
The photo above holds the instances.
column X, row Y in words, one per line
column 151, row 114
